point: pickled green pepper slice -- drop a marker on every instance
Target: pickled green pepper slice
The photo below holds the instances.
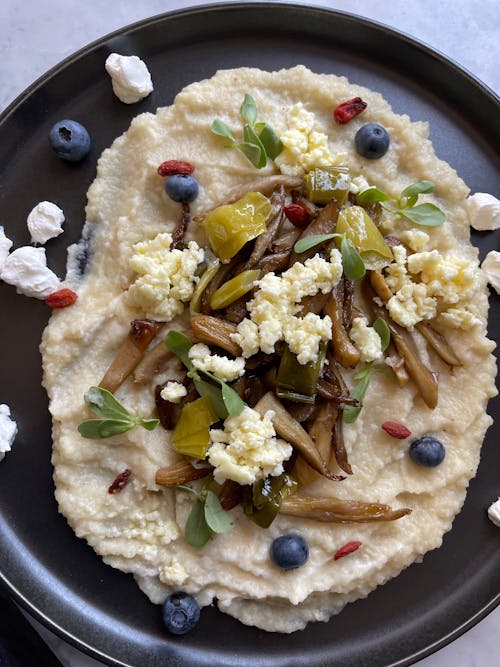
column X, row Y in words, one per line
column 191, row 435
column 297, row 382
column 262, row 501
column 326, row 183
column 233, row 289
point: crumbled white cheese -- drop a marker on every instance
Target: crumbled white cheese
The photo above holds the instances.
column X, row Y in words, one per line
column 484, row 211
column 275, row 305
column 5, row 246
column 45, row 222
column 223, row 367
column 491, row 267
column 247, row 448
column 366, row 340
column 358, row 184
column 494, row 512
column 427, row 283
column 173, row 392
column 130, row 77
column 415, row 239
column 8, row 430
column 166, row 278
column 304, row 147
column 26, row 269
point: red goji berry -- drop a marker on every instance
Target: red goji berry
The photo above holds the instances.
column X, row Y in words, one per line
column 62, row 298
column 297, row 215
column 121, row 481
column 347, row 549
column 346, row 111
column 170, row 167
column 396, row 430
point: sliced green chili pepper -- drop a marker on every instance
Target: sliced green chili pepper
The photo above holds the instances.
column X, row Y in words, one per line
column 327, row 183
column 202, row 284
column 191, row 436
column 234, row 288
column 298, row 382
column 262, row 501
column 359, row 228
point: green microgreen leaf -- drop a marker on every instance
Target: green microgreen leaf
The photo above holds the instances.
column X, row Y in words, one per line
column 305, row 244
column 148, row 424
column 95, row 429
column 103, row 404
column 232, row 401
column 186, row 489
column 380, row 326
column 353, row 264
column 359, row 390
column 216, row 517
column 270, row 140
column 222, row 130
column 197, row 531
column 427, row 215
column 371, row 196
column 215, row 394
column 252, row 152
column 251, row 139
column 248, row 110
column 179, row 344
column 418, row 188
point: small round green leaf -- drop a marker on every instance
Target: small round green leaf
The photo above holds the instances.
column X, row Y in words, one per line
column 216, row 517
column 427, row 215
column 197, row 531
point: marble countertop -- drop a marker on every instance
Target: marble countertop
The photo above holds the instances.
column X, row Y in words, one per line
column 34, row 36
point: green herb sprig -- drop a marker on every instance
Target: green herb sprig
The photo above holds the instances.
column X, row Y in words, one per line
column 224, row 400
column 363, row 377
column 113, row 417
column 260, row 142
column 426, row 215
column 353, row 264
column 206, row 517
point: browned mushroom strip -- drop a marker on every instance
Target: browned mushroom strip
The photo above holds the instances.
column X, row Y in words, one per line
column 297, row 198
column 237, row 310
column 338, row 445
column 264, row 240
column 348, row 304
column 313, row 304
column 291, row 431
column 265, row 184
column 380, row 286
column 417, row 370
column 130, row 353
column 397, row 363
column 181, row 229
column 180, row 473
column 339, row 511
column 321, row 434
column 151, row 363
column 327, row 390
column 438, row 343
column 215, row 331
column 343, row 349
column 286, row 242
column 276, row 262
column 325, row 223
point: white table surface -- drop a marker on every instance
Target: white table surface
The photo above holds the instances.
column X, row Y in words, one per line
column 37, row 34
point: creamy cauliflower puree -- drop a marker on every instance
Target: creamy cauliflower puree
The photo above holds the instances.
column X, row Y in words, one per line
column 140, row 529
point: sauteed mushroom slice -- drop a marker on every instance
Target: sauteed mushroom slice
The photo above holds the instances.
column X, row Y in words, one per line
column 215, row 331
column 263, row 241
column 180, row 473
column 286, row 241
column 129, row 353
column 343, row 349
column 325, row 223
column 438, row 343
column 334, row 510
column 151, row 363
column 230, row 495
column 291, row 431
column 265, row 185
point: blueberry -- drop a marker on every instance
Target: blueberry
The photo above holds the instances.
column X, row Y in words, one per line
column 69, row 140
column 182, row 188
column 372, row 141
column 289, row 551
column 180, row 613
column 427, row 451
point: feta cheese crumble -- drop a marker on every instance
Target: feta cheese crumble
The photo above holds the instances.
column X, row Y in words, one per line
column 366, row 340
column 491, row 267
column 247, row 448
column 173, row 392
column 45, row 222
column 494, row 512
column 130, row 77
column 5, row 246
column 427, row 284
column 224, row 368
column 8, row 430
column 484, row 211
column 166, row 278
column 415, row 239
column 26, row 269
column 304, row 147
column 273, row 310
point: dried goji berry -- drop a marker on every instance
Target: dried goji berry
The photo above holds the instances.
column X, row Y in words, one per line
column 347, row 549
column 62, row 298
column 121, row 481
column 297, row 215
column 170, row 167
column 346, row 111
column 396, row 430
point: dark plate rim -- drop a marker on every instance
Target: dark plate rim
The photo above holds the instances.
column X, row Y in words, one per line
column 415, row 43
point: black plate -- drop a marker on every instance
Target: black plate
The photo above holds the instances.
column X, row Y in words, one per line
column 57, row 577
